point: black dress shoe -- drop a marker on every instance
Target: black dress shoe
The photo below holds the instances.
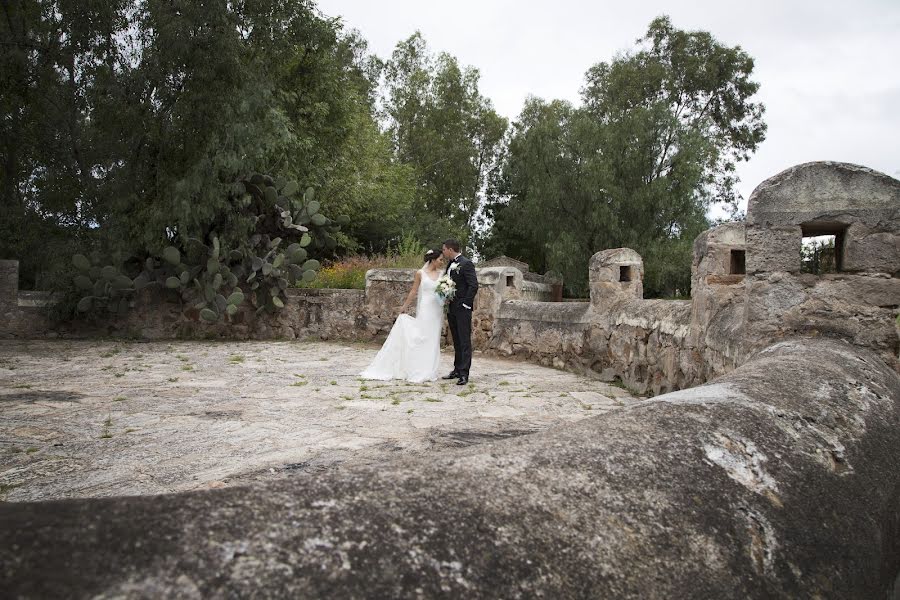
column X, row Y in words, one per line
column 452, row 375
column 463, row 380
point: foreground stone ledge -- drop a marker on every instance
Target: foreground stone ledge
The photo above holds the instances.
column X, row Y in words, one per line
column 778, row 480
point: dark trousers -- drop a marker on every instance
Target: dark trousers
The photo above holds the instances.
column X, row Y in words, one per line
column 460, row 321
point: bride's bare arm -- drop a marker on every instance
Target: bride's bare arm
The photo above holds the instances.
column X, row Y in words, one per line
column 412, row 292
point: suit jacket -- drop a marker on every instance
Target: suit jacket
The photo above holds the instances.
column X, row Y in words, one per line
column 466, row 282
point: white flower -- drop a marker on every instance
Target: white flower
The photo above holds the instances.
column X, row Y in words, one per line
column 454, row 267
column 445, row 288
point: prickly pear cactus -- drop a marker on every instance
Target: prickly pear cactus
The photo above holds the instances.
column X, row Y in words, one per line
column 103, row 286
column 286, row 228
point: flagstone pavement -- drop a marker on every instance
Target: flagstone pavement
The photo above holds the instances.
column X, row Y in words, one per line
column 111, row 418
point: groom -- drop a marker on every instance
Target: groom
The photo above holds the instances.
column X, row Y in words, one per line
column 459, row 313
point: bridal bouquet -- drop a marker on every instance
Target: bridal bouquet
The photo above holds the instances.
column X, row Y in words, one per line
column 445, row 289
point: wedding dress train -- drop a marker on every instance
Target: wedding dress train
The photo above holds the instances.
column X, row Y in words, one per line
column 412, row 350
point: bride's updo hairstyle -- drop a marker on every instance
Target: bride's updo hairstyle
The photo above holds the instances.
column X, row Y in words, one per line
column 431, row 255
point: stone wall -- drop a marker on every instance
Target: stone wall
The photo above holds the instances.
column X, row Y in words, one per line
column 22, row 313
column 539, row 292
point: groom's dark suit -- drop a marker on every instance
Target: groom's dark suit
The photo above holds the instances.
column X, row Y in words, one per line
column 459, row 313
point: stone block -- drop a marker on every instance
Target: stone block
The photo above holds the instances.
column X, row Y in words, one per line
column 824, row 191
column 9, row 284
column 871, row 251
column 773, row 249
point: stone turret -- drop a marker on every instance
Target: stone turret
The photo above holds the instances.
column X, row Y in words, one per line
column 861, row 209
column 615, row 275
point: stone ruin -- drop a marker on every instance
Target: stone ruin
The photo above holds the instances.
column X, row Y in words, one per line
column 765, row 466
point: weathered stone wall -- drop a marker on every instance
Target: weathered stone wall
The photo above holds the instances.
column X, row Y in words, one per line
column 779, row 480
column 747, row 290
column 617, row 335
column 642, row 343
column 22, row 314
column 717, row 299
column 536, row 291
column 859, row 303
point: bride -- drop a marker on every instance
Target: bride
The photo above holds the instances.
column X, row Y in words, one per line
column 412, row 350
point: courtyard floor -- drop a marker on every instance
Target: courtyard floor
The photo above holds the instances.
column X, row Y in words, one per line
column 110, row 418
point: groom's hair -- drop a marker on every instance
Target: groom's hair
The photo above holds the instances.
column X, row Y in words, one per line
column 452, row 244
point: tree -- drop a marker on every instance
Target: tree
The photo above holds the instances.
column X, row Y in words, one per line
column 126, row 123
column 446, row 131
column 654, row 144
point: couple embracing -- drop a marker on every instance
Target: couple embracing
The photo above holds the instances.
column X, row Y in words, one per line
column 412, row 350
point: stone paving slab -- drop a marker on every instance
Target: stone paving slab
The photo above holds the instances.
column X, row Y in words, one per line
column 110, row 418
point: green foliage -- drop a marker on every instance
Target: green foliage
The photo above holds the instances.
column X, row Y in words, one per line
column 125, row 124
column 818, row 256
column 638, row 165
column 272, row 258
column 447, row 132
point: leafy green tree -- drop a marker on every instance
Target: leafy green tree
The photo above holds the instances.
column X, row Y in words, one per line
column 126, row 123
column 653, row 146
column 447, row 132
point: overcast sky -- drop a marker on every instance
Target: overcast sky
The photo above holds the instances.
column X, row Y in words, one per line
column 829, row 71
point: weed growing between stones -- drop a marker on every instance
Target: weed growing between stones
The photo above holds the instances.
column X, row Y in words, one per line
column 299, row 383
column 236, row 358
column 120, row 399
column 5, row 488
column 172, row 379
column 106, row 425
column 31, row 450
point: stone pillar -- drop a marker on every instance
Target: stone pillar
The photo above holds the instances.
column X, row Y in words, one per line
column 9, row 284
column 718, row 272
column 495, row 284
column 616, row 275
column 505, row 282
column 9, row 297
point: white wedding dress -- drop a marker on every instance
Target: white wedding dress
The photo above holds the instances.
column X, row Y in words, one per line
column 412, row 350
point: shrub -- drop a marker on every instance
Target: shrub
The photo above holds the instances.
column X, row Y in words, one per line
column 350, row 272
